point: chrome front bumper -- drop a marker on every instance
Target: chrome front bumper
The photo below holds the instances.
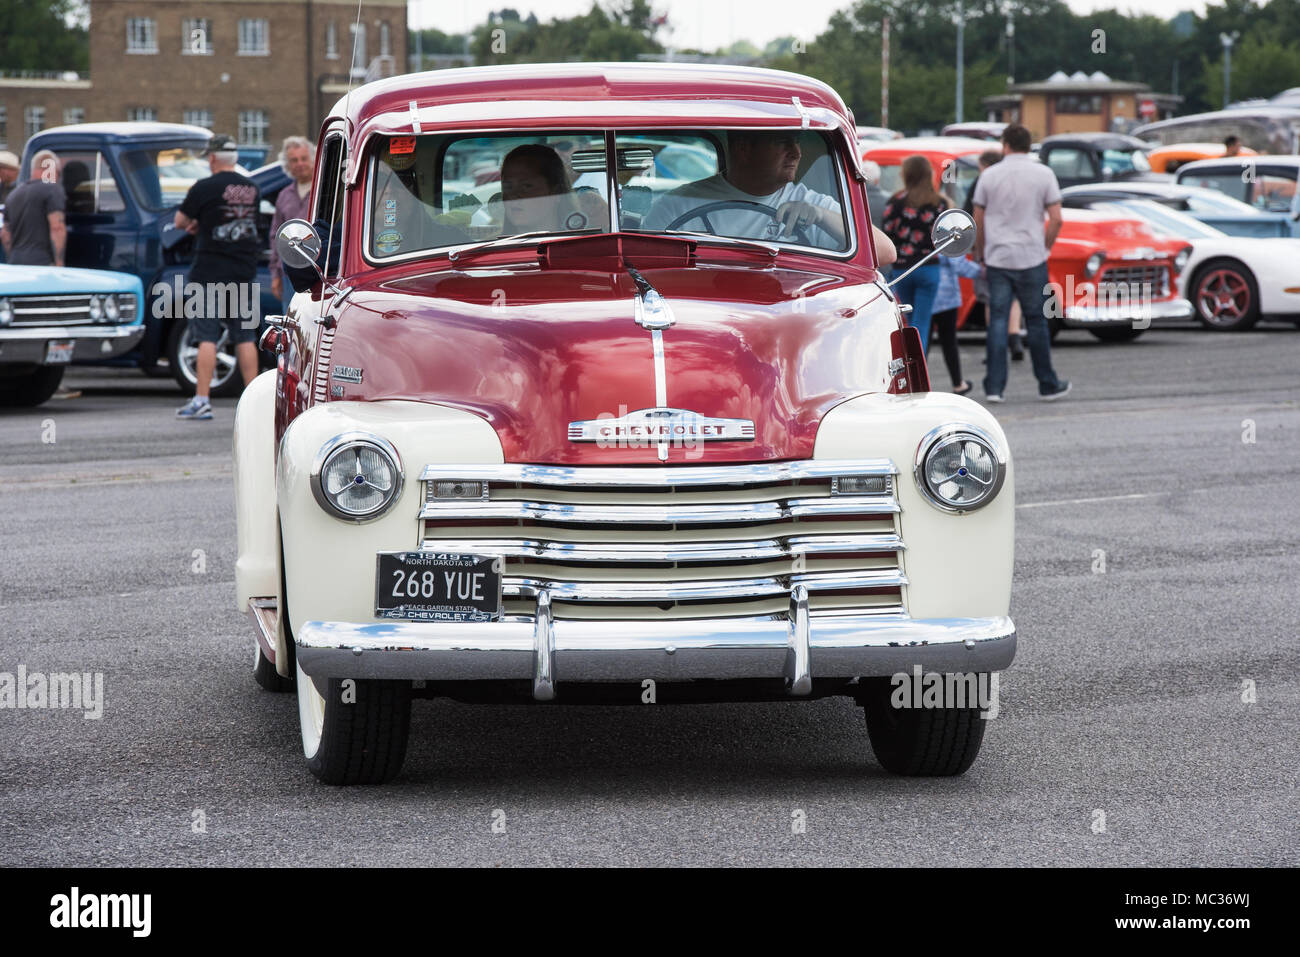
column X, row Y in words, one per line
column 27, row 343
column 546, row 651
column 1133, row 314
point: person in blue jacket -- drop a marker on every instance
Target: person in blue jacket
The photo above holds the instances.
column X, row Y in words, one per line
column 947, row 302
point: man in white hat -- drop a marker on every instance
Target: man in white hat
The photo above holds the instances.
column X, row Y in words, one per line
column 8, row 174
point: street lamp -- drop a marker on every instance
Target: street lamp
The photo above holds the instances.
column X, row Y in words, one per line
column 961, row 66
column 1227, row 40
column 1011, row 45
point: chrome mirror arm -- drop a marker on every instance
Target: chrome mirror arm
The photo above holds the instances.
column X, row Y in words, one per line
column 921, row 262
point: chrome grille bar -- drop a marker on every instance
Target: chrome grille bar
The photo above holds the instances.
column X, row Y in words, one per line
column 649, row 552
column 656, row 515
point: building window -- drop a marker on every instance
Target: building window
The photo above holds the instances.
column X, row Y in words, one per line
column 74, row 115
column 201, row 118
column 141, row 35
column 141, row 114
column 196, row 36
column 4, row 126
column 1078, row 103
column 253, row 127
column 253, row 39
column 359, row 61
column 385, row 41
column 34, row 120
column 331, row 40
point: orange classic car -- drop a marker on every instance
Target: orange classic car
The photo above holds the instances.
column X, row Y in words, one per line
column 1109, row 275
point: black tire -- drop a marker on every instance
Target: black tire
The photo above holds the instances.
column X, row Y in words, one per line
column 1117, row 333
column 364, row 741
column 30, row 388
column 1209, row 279
column 920, row 742
column 226, row 385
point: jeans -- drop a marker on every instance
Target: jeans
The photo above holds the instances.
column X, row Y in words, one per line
column 1030, row 287
column 918, row 291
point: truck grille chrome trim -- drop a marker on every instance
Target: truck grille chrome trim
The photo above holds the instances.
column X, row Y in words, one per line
column 678, row 543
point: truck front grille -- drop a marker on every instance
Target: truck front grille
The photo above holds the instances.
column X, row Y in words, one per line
column 1147, row 279
column 679, row 542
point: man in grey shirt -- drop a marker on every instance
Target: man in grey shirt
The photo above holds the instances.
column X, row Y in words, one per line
column 34, row 232
column 1012, row 241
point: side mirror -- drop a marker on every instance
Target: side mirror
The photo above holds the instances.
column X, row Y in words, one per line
column 953, row 233
column 298, row 245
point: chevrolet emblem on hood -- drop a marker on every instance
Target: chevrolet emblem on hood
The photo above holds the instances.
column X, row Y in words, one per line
column 645, row 428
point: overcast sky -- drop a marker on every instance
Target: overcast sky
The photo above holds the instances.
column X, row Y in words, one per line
column 717, row 23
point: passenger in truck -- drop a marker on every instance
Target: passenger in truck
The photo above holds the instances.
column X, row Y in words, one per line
column 536, row 193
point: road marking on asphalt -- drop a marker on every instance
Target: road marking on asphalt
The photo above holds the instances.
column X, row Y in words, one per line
column 1109, row 498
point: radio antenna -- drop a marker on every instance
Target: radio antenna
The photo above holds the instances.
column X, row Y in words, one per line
column 341, row 187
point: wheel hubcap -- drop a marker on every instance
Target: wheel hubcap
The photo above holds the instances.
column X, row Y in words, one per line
column 189, row 356
column 1223, row 296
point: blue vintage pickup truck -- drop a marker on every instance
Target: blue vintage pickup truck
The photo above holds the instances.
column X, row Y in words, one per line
column 124, row 182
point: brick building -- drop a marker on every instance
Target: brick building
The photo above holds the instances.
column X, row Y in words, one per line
column 259, row 70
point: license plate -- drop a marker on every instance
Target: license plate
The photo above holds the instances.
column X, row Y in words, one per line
column 58, row 352
column 438, row 586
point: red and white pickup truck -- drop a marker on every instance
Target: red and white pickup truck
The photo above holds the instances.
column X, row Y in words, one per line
column 591, row 439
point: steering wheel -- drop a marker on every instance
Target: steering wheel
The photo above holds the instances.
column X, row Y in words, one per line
column 702, row 213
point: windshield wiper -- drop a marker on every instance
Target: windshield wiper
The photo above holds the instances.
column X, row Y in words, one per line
column 711, row 239
column 456, row 255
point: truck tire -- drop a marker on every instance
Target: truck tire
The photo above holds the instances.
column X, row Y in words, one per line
column 181, row 357
column 1117, row 333
column 920, row 742
column 31, row 388
column 362, row 741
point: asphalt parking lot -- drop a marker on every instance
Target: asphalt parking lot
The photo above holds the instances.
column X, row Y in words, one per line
column 1151, row 716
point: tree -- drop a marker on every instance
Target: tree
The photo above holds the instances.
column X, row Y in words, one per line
column 44, row 35
column 1261, row 67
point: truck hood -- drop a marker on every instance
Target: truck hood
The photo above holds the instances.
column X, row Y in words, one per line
column 58, row 280
column 534, row 349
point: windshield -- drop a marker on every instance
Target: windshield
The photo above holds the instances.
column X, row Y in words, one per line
column 1211, row 203
column 1118, row 162
column 160, row 178
column 1164, row 220
column 431, row 192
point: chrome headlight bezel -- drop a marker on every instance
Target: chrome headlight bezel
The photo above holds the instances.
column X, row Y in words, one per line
column 112, row 310
column 942, row 436
column 1092, row 265
column 6, row 312
column 95, row 309
column 1180, row 261
column 341, row 444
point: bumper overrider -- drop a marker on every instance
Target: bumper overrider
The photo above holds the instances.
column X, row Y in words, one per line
column 791, row 575
column 28, row 343
column 1128, row 314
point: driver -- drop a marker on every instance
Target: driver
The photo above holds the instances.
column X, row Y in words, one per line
column 761, row 170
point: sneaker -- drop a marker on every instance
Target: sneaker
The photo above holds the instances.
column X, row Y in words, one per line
column 1017, row 349
column 993, row 398
column 1057, row 393
column 196, row 408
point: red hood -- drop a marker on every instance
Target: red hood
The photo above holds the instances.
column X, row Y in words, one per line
column 532, row 349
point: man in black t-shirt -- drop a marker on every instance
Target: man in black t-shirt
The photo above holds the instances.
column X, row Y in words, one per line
column 35, row 233
column 222, row 212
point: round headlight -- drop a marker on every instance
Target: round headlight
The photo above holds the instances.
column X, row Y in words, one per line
column 1093, row 264
column 356, row 476
column 110, row 308
column 1180, row 261
column 6, row 312
column 96, row 308
column 959, row 468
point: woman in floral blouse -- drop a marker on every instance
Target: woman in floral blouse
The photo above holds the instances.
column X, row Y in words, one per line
column 909, row 217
